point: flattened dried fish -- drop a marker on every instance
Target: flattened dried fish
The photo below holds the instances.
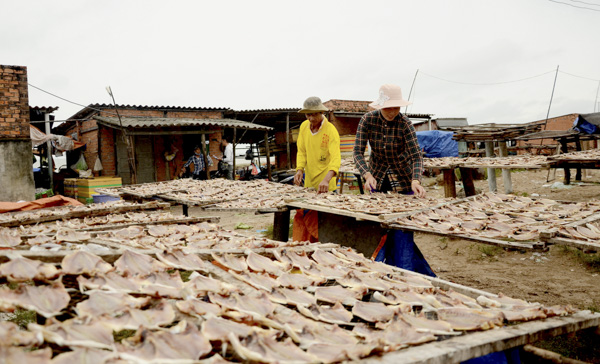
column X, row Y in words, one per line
column 48, row 301
column 296, row 280
column 132, row 318
column 108, row 303
column 132, row 263
column 181, row 342
column 334, row 294
column 292, row 297
column 178, row 259
column 467, row 319
column 335, row 314
column 12, row 335
column 258, row 263
column 257, row 280
column 82, row 262
column 72, row 236
column 196, row 307
column 266, row 349
column 373, row 311
column 230, row 261
column 76, row 332
column 20, row 269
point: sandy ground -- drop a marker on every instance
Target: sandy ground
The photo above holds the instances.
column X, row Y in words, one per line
column 557, row 276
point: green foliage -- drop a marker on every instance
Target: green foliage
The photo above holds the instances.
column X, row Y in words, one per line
column 592, row 260
column 123, row 334
column 185, row 275
column 23, row 317
column 489, row 250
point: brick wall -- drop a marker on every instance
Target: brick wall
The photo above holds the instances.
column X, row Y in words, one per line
column 107, row 151
column 14, row 102
column 348, row 105
column 564, row 122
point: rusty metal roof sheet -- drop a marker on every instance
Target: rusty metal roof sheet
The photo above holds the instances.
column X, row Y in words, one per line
column 151, row 122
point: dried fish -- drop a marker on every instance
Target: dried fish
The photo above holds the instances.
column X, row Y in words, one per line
column 20, row 269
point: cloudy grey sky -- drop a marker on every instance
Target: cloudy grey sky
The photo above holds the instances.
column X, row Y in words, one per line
column 273, row 54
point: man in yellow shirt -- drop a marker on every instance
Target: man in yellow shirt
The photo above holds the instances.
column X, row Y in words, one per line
column 318, row 157
column 318, row 161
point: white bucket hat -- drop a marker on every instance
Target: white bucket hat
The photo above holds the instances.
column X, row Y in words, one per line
column 313, row 104
column 389, row 96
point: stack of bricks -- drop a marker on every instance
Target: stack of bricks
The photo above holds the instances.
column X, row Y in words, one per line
column 14, row 102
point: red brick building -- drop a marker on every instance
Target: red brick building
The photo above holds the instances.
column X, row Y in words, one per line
column 153, row 132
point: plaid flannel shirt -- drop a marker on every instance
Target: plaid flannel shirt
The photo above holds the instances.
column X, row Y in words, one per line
column 395, row 150
column 198, row 161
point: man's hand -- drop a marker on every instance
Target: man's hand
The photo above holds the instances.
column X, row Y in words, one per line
column 370, row 182
column 298, row 177
column 323, row 187
column 417, row 188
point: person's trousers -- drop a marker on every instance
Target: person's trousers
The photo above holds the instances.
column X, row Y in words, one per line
column 229, row 171
column 306, row 226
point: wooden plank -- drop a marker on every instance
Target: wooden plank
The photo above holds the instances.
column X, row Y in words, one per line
column 473, row 345
column 579, row 244
column 109, row 227
column 56, row 257
column 500, row 166
column 589, row 219
column 388, row 218
column 154, row 205
column 331, row 210
column 483, row 240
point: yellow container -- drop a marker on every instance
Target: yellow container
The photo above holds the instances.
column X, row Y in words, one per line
column 86, row 187
column 70, row 187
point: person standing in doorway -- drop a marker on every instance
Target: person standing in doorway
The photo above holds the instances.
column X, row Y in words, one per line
column 198, row 160
column 317, row 161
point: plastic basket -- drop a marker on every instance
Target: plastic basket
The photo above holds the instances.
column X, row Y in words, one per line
column 104, row 198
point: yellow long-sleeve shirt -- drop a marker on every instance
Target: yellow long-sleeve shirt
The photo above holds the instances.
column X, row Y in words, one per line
column 318, row 154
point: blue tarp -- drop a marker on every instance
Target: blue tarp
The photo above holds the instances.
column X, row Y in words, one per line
column 437, row 143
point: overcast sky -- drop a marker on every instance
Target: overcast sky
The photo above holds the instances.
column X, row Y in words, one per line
column 273, row 54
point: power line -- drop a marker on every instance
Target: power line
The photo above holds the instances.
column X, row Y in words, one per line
column 583, row 2
column 585, row 78
column 488, row 84
column 575, row 6
column 69, row 101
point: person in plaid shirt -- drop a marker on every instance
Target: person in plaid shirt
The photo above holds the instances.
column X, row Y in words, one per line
column 396, row 165
column 396, row 162
column 198, row 160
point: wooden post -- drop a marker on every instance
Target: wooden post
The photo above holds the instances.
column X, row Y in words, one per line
column 564, row 148
column 466, row 175
column 506, row 178
column 449, row 182
column 578, row 148
column 268, row 156
column 233, row 141
column 203, row 149
column 49, row 151
column 281, row 225
column 489, row 152
column 132, row 158
column 287, row 140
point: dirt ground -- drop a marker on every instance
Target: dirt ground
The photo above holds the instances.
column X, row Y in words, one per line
column 557, row 276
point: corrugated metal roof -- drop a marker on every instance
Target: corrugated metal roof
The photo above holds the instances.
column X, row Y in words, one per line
column 110, row 106
column 44, row 108
column 149, row 122
column 292, row 109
